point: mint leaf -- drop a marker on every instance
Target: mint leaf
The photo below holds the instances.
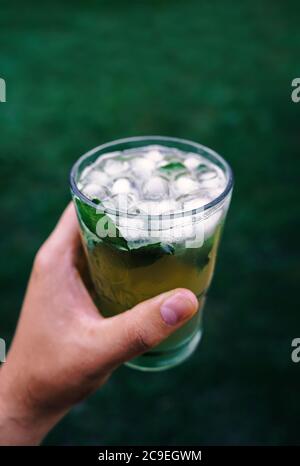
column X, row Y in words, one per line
column 90, row 216
column 202, row 167
column 172, row 166
column 150, row 253
column 134, row 257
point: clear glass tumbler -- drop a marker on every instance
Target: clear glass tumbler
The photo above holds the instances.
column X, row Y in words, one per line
column 125, row 274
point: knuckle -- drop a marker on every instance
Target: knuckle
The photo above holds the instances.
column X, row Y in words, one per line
column 139, row 340
column 42, row 259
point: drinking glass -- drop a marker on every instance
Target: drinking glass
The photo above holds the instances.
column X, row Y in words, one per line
column 125, row 275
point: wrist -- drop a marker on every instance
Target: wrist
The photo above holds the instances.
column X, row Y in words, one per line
column 20, row 423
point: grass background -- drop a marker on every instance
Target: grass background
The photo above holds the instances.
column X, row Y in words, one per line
column 82, row 73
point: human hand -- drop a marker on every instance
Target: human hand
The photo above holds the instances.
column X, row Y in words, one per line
column 63, row 348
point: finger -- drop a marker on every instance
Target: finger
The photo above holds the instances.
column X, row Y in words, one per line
column 65, row 235
column 138, row 330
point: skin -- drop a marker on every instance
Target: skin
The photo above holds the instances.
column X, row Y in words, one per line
column 63, row 349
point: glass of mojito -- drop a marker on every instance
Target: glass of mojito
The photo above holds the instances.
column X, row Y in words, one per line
column 151, row 212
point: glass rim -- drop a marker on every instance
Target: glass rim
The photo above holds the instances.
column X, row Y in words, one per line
column 206, row 207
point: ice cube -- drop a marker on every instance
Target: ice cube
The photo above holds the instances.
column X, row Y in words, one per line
column 184, row 184
column 185, row 231
column 94, row 191
column 95, row 177
column 213, row 185
column 206, row 226
column 122, row 185
column 155, row 155
column 198, row 239
column 131, row 228
column 215, row 191
column 125, row 202
column 142, row 167
column 115, row 167
column 158, row 207
column 192, row 162
column 155, row 188
column 86, row 171
column 170, row 230
column 211, row 178
column 207, row 173
column 165, row 236
column 100, row 178
column 195, row 200
column 109, row 204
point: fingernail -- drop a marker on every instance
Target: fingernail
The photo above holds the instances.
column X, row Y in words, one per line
column 178, row 306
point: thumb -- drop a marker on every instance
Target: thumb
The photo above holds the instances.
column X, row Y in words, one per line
column 141, row 328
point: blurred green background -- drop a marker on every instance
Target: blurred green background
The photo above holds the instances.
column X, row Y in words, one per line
column 82, row 73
